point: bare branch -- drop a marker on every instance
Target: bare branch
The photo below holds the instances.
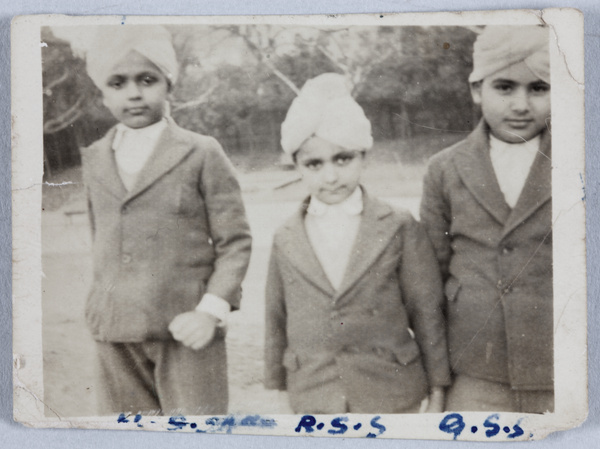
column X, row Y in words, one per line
column 197, row 102
column 63, row 77
column 67, row 118
column 329, row 56
column 263, row 57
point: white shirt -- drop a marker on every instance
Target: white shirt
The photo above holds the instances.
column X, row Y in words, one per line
column 133, row 148
column 332, row 231
column 512, row 163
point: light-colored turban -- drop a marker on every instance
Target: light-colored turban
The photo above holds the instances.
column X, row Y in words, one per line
column 112, row 43
column 325, row 108
column 499, row 47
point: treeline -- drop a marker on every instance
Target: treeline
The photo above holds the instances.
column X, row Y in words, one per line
column 237, row 82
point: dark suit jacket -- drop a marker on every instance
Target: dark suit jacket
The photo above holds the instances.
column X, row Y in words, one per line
column 181, row 231
column 496, row 262
column 320, row 342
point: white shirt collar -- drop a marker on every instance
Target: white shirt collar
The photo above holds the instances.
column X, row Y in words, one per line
column 148, row 134
column 353, row 205
column 529, row 146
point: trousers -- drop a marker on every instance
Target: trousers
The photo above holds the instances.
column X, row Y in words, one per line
column 162, row 377
column 469, row 394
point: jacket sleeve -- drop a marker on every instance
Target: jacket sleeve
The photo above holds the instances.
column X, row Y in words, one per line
column 229, row 228
column 436, row 215
column 424, row 299
column 275, row 327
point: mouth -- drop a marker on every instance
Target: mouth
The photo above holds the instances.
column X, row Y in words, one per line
column 335, row 190
column 138, row 110
column 519, row 123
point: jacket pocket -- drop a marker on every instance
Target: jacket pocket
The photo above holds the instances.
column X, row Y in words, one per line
column 452, row 288
column 290, row 361
column 407, row 353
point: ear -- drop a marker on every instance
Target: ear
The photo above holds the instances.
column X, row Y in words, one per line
column 476, row 92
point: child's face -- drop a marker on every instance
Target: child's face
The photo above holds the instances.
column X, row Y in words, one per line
column 330, row 172
column 514, row 102
column 136, row 91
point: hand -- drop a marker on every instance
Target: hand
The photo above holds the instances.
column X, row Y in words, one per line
column 194, row 329
column 437, row 400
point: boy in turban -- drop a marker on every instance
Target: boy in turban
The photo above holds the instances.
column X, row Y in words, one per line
column 170, row 239
column 487, row 208
column 354, row 317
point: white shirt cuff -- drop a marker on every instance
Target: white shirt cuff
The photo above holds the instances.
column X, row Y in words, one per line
column 214, row 305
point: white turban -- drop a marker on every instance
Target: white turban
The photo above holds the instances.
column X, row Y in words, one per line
column 499, row 47
column 325, row 108
column 112, row 43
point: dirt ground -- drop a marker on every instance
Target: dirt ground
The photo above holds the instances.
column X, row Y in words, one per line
column 68, row 347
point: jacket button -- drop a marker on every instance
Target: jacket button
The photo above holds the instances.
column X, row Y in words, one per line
column 126, row 258
column 125, row 209
column 507, row 290
column 506, row 250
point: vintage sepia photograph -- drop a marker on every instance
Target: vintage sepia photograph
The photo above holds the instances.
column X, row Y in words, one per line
column 373, row 218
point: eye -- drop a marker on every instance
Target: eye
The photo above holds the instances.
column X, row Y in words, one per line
column 313, row 165
column 148, row 80
column 343, row 159
column 540, row 88
column 115, row 83
column 503, row 88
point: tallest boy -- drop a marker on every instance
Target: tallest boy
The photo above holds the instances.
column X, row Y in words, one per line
column 487, row 209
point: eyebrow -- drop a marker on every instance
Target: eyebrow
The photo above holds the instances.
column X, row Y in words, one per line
column 312, row 161
column 504, row 80
column 344, row 154
column 147, row 73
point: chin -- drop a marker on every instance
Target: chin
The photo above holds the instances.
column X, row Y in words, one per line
column 333, row 199
column 516, row 136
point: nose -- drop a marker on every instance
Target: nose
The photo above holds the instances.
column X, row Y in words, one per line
column 133, row 91
column 520, row 101
column 330, row 173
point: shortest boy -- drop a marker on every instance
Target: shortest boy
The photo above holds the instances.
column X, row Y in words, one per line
column 171, row 242
column 488, row 211
column 353, row 299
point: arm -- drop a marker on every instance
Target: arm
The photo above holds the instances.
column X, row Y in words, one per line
column 229, row 228
column 231, row 239
column 275, row 327
column 421, row 286
column 436, row 215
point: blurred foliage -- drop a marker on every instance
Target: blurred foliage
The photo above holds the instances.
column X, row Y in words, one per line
column 237, row 82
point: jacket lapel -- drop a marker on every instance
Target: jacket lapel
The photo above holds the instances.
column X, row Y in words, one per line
column 172, row 146
column 537, row 189
column 374, row 234
column 300, row 254
column 475, row 168
column 105, row 170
